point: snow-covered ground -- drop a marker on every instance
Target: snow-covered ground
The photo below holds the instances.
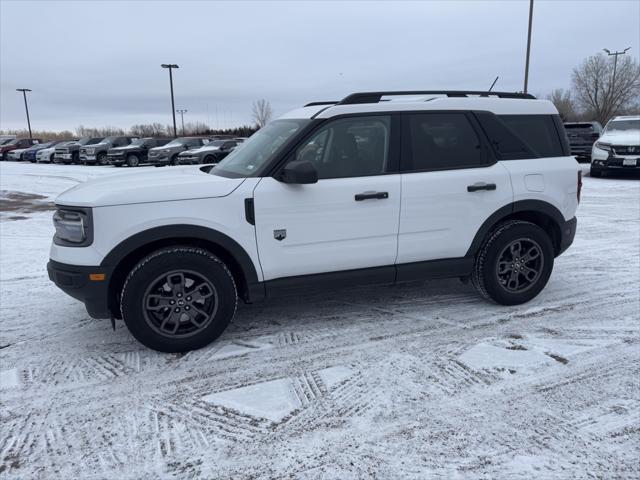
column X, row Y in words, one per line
column 408, row 382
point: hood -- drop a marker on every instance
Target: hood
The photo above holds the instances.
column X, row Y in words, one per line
column 47, row 150
column 19, row 150
column 153, row 185
column 621, row 137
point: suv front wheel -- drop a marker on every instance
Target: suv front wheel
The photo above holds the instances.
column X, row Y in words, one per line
column 514, row 263
column 178, row 299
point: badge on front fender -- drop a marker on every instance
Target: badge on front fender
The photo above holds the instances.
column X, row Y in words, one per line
column 280, row 234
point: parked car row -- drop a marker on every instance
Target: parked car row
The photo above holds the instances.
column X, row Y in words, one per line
column 121, row 150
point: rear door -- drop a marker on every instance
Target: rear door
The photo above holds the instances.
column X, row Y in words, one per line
column 348, row 219
column 450, row 185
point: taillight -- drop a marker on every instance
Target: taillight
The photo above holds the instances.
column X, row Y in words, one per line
column 579, row 184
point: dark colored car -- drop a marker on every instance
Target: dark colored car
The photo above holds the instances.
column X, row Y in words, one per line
column 17, row 143
column 135, row 153
column 582, row 136
column 212, row 152
column 168, row 154
column 97, row 153
column 70, row 153
column 30, row 154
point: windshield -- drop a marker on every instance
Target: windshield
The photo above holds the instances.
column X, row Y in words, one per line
column 137, row 142
column 623, row 125
column 13, row 142
column 215, row 143
column 258, row 150
column 109, row 140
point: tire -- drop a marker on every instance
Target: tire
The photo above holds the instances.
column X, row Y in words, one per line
column 133, row 160
column 147, row 295
column 75, row 158
column 594, row 173
column 519, row 281
column 101, row 159
column 209, row 159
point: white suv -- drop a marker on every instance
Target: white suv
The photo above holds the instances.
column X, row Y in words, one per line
column 474, row 185
column 618, row 148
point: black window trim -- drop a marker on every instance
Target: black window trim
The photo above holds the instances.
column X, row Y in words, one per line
column 489, row 157
column 393, row 159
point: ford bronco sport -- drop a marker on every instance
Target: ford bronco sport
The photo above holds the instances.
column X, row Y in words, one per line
column 474, row 185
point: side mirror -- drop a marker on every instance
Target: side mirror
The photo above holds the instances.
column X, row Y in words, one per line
column 299, row 171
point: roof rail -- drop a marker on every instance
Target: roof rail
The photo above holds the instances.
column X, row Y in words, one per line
column 315, row 104
column 374, row 97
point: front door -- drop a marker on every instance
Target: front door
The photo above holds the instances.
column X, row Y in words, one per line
column 348, row 219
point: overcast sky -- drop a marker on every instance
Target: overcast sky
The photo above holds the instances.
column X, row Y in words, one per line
column 97, row 63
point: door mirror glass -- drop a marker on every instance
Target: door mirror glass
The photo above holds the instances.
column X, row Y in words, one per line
column 299, row 171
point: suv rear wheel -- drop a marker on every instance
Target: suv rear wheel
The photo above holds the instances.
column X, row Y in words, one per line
column 178, row 299
column 514, row 263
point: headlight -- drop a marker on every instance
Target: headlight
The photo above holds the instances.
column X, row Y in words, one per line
column 74, row 227
column 603, row 146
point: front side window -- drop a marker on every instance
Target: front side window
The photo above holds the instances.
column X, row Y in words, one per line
column 440, row 141
column 350, row 147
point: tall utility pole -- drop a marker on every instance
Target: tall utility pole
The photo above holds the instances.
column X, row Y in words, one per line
column 615, row 63
column 526, row 65
column 24, row 94
column 171, row 66
column 182, row 112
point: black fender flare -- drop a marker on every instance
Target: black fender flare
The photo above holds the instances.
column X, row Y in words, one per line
column 186, row 232
column 537, row 206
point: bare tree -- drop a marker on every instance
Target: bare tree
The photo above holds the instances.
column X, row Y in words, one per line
column 563, row 101
column 601, row 95
column 261, row 112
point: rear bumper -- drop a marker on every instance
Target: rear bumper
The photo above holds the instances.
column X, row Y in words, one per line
column 567, row 234
column 74, row 281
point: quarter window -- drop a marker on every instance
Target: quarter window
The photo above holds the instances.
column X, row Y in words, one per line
column 349, row 147
column 538, row 132
column 440, row 141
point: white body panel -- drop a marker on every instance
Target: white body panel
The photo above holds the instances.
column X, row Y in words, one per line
column 326, row 229
column 114, row 224
column 440, row 218
column 553, row 180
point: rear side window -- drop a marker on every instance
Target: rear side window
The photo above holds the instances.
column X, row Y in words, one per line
column 538, row 132
column 439, row 141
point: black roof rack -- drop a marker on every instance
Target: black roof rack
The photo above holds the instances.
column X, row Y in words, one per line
column 374, row 97
column 314, row 104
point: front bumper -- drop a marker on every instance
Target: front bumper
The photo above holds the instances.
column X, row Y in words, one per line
column 85, row 157
column 616, row 164
column 567, row 234
column 115, row 159
column 75, row 281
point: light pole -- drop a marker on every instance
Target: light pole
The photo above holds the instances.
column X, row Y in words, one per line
column 526, row 65
column 24, row 94
column 182, row 112
column 171, row 66
column 615, row 63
